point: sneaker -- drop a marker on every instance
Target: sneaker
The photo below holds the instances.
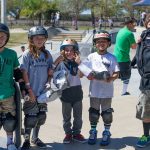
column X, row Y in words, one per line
column 126, row 93
column 143, row 141
column 38, row 143
column 79, row 138
column 93, row 137
column 105, row 138
column 26, row 145
column 11, row 147
column 67, row 139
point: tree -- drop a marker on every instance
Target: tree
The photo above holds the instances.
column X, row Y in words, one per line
column 14, row 6
column 34, row 9
column 127, row 5
column 72, row 7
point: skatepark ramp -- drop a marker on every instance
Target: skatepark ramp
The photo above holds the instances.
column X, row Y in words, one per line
column 74, row 35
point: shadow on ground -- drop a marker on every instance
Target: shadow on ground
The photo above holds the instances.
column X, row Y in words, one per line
column 116, row 144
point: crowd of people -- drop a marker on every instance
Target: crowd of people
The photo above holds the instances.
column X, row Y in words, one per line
column 35, row 73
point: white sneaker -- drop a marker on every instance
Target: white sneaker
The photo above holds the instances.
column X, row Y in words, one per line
column 11, row 147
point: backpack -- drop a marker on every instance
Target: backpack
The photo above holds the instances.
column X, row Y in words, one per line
column 143, row 55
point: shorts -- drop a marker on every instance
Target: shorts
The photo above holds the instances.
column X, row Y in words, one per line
column 100, row 103
column 8, row 106
column 125, row 70
column 143, row 106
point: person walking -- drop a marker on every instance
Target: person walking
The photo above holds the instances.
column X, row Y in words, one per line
column 37, row 71
column 104, row 70
column 72, row 96
column 124, row 41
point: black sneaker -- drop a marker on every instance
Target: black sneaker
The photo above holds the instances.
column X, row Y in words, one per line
column 126, row 93
column 39, row 143
column 26, row 145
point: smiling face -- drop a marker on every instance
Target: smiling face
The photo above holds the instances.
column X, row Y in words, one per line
column 69, row 52
column 39, row 41
column 3, row 39
column 102, row 44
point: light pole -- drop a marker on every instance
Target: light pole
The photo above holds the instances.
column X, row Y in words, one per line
column 3, row 11
column 106, row 12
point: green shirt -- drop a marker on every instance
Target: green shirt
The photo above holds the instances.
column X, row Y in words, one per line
column 124, row 40
column 8, row 62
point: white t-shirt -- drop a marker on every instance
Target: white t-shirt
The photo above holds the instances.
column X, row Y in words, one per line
column 106, row 62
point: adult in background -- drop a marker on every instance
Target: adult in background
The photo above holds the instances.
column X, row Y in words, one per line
column 124, row 41
column 142, row 18
column 22, row 48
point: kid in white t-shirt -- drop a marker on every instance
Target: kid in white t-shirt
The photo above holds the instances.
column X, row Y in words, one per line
column 104, row 70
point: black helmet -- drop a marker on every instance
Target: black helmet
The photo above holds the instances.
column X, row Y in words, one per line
column 38, row 30
column 101, row 34
column 5, row 29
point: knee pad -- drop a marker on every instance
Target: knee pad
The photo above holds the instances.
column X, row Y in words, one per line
column 93, row 115
column 41, row 118
column 107, row 116
column 9, row 122
column 30, row 120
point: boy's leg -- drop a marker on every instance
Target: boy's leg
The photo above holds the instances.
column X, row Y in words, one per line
column 77, row 122
column 9, row 120
column 40, row 122
column 107, row 119
column 94, row 113
column 66, row 112
column 30, row 110
column 143, row 113
column 125, row 74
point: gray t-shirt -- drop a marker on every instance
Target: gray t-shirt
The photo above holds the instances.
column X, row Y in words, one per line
column 37, row 70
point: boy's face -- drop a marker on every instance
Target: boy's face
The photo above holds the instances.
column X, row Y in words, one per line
column 3, row 38
column 39, row 40
column 102, row 44
column 69, row 52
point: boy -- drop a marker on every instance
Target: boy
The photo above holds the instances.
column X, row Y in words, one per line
column 104, row 70
column 8, row 70
column 72, row 96
column 37, row 70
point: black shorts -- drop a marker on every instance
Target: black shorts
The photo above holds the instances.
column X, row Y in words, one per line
column 125, row 70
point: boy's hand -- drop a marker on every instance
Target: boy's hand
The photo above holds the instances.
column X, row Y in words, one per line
column 58, row 60
column 77, row 58
column 90, row 76
column 31, row 95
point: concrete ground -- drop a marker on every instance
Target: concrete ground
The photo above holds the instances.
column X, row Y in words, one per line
column 125, row 128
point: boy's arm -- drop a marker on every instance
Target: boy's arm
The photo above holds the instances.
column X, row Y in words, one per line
column 114, row 76
column 27, row 85
column 19, row 78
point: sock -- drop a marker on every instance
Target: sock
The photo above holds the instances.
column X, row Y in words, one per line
column 107, row 127
column 27, row 134
column 146, row 128
column 9, row 139
column 93, row 126
column 125, row 86
column 35, row 132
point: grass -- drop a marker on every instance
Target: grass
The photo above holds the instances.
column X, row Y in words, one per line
column 17, row 39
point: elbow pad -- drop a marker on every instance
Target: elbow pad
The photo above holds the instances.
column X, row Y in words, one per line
column 17, row 74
